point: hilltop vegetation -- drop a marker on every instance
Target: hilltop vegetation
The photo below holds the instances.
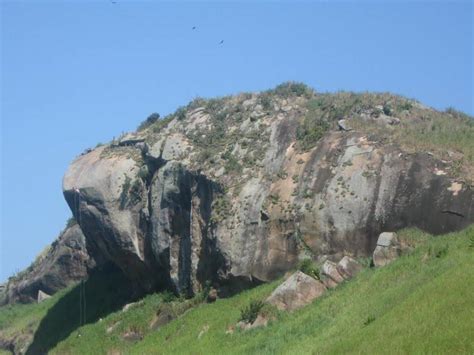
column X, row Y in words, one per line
column 446, row 134
column 420, row 303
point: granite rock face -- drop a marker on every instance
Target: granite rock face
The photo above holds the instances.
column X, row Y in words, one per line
column 226, row 192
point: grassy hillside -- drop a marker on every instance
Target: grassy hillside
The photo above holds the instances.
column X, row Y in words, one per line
column 54, row 319
column 421, row 303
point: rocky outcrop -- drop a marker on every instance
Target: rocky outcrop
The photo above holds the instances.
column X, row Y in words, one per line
column 229, row 192
column 297, row 291
column 64, row 263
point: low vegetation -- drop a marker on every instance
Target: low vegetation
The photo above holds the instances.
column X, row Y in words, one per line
column 420, row 303
column 309, row 268
column 154, row 117
column 250, row 312
column 446, row 135
column 292, row 88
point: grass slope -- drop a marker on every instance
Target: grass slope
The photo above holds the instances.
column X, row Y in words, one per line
column 421, row 303
column 56, row 318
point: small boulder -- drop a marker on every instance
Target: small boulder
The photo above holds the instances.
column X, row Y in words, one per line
column 260, row 321
column 297, row 291
column 387, row 250
column 343, row 126
column 331, row 275
column 242, row 325
column 42, row 296
column 164, row 315
column 348, row 267
column 132, row 335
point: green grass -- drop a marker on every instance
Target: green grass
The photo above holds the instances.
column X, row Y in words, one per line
column 447, row 135
column 418, row 307
column 19, row 321
column 421, row 303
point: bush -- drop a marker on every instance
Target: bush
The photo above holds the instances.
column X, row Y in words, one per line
column 201, row 296
column 135, row 192
column 387, row 110
column 180, row 113
column 405, row 106
column 158, row 125
column 215, row 105
column 143, row 172
column 168, row 296
column 124, row 194
column 274, row 198
column 232, row 164
column 204, row 155
column 309, row 268
column 309, row 136
column 249, row 313
column 149, row 121
column 266, row 102
column 196, row 102
column 293, row 89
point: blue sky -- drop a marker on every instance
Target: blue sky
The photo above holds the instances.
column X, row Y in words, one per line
column 77, row 73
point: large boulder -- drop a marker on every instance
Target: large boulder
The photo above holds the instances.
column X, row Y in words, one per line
column 348, row 267
column 387, row 250
column 330, row 274
column 227, row 195
column 297, row 291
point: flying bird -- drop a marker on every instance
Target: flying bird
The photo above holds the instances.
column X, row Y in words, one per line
column 194, row 27
column 221, row 42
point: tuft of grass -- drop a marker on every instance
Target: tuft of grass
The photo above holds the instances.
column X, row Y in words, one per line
column 250, row 312
column 438, row 251
column 124, row 193
column 308, row 267
column 369, row 320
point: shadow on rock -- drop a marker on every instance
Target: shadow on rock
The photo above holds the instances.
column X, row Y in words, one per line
column 106, row 291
